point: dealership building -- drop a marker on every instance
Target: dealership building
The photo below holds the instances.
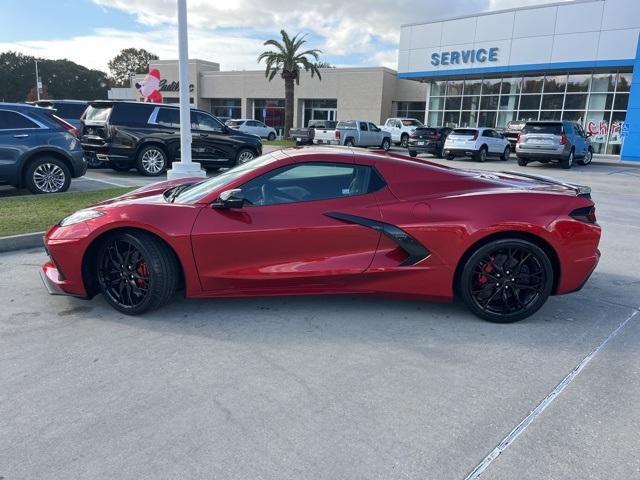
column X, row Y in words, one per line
column 576, row 60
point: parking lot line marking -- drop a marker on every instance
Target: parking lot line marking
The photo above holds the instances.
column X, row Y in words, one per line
column 522, row 426
column 101, row 181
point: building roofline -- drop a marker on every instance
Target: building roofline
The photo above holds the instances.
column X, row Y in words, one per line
column 323, row 70
column 506, row 10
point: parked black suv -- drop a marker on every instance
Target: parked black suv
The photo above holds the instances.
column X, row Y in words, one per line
column 38, row 150
column 147, row 136
column 69, row 110
column 428, row 140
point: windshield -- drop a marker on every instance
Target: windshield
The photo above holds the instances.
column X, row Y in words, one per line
column 411, row 122
column 233, row 123
column 199, row 190
column 97, row 114
column 546, row 128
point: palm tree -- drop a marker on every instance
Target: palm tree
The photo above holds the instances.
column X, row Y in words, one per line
column 287, row 60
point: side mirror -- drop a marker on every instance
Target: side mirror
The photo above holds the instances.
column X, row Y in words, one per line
column 230, row 199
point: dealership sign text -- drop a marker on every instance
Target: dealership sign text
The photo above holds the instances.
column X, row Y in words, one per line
column 456, row 57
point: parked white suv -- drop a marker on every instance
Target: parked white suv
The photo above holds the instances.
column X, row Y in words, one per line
column 252, row 126
column 400, row 129
column 477, row 143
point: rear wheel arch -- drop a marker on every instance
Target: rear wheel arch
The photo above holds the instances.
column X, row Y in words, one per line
column 35, row 156
column 513, row 234
column 89, row 278
column 155, row 143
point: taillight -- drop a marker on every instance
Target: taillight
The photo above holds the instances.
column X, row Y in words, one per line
column 66, row 125
column 584, row 214
column 337, row 134
column 563, row 139
column 518, row 138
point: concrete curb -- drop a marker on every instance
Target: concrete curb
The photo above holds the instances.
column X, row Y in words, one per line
column 21, row 242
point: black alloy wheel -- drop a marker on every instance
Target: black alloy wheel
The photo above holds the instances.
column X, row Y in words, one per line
column 404, row 140
column 136, row 272
column 506, row 280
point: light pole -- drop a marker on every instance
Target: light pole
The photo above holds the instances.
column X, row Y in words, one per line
column 38, row 82
column 185, row 167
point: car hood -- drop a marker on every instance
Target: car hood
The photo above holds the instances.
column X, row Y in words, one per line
column 149, row 193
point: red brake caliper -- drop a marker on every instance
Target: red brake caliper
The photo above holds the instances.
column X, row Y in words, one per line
column 143, row 271
column 483, row 279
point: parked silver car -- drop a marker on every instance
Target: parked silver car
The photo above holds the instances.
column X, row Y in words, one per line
column 554, row 141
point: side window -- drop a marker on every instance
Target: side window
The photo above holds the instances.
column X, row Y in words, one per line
column 13, row 120
column 373, row 128
column 311, row 182
column 202, row 121
column 363, row 126
column 486, row 133
column 168, row 117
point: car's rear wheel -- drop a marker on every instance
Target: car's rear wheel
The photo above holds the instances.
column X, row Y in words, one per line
column 522, row 162
column 244, row 155
column 450, row 156
column 481, row 156
column 413, row 153
column 440, row 153
column 47, row 175
column 507, row 153
column 152, row 161
column 136, row 272
column 506, row 280
column 386, row 144
column 567, row 162
column 349, row 142
column 588, row 156
column 404, row 140
column 271, row 137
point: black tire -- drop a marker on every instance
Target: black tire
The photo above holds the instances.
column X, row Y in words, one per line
column 120, row 167
column 386, row 144
column 151, row 161
column 506, row 280
column 244, row 155
column 440, row 153
column 522, row 162
column 404, row 140
column 271, row 137
column 413, row 153
column 567, row 162
column 450, row 156
column 587, row 158
column 481, row 156
column 506, row 154
column 47, row 175
column 349, row 142
column 134, row 283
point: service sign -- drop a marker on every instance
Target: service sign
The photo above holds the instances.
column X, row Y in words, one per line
column 461, row 57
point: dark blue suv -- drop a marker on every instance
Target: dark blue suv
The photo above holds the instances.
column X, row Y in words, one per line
column 38, row 150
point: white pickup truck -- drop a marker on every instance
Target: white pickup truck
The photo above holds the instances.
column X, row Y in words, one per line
column 401, row 128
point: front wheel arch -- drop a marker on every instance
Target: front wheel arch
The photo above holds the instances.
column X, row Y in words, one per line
column 89, row 278
column 515, row 234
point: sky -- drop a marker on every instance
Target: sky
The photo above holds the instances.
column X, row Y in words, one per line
column 230, row 32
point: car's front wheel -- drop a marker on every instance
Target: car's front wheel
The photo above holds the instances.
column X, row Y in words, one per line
column 506, row 280
column 47, row 175
column 404, row 140
column 413, row 153
column 588, row 156
column 136, row 272
column 152, row 161
column 271, row 137
column 507, row 153
column 386, row 144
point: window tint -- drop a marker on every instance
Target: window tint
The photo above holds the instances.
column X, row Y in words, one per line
column 69, row 110
column 411, row 122
column 202, row 121
column 425, row 131
column 464, row 131
column 363, row 126
column 13, row 120
column 548, row 128
column 310, row 182
column 350, row 124
column 126, row 113
column 168, row 117
column 97, row 113
column 373, row 128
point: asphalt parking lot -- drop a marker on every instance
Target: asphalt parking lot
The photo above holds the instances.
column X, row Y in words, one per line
column 330, row 388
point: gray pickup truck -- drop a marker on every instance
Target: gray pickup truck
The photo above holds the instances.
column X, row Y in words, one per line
column 305, row 136
column 358, row 133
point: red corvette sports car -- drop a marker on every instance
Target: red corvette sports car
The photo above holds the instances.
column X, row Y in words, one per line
column 333, row 220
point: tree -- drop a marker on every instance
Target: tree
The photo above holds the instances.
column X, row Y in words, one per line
column 323, row 64
column 61, row 78
column 127, row 62
column 288, row 61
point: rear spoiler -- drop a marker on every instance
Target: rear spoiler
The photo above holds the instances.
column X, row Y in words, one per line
column 581, row 190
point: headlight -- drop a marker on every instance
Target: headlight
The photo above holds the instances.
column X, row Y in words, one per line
column 80, row 216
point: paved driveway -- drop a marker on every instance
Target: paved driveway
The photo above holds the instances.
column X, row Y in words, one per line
column 329, row 388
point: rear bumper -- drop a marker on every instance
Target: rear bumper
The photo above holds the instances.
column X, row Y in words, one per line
column 428, row 148
column 460, row 152
column 541, row 154
column 105, row 154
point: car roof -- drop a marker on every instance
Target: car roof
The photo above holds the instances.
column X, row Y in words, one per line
column 50, row 100
column 20, row 106
column 103, row 103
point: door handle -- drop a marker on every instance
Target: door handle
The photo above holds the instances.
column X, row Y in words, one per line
column 21, row 135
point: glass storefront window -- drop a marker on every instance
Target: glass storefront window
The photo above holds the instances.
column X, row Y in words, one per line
column 624, row 82
column 574, row 116
column 438, row 88
column 472, row 87
column 509, row 102
column 621, row 101
column 468, row 119
column 578, row 83
column 532, row 84
column 270, row 112
column 615, row 140
column 603, row 82
column 550, row 115
column 491, row 86
column 511, row 86
column 555, row 84
column 552, row 101
column 528, row 115
column 454, row 87
column 453, row 103
column 470, row 103
column 577, row 101
column 530, row 102
column 436, row 103
column 226, row 107
column 597, row 125
column 435, row 119
column 600, row 101
column 411, row 110
column 487, row 119
column 451, row 119
column 504, row 118
column 489, row 102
